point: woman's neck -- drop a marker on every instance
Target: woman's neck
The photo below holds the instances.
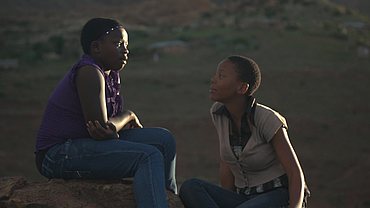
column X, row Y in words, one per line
column 237, row 108
column 97, row 60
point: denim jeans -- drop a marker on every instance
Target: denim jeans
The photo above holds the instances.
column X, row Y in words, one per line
column 195, row 193
column 147, row 154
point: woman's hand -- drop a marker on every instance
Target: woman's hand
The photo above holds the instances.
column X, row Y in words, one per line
column 135, row 123
column 98, row 132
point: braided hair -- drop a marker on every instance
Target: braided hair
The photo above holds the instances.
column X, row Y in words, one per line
column 248, row 71
column 94, row 29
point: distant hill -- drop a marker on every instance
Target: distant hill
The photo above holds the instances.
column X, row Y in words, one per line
column 26, row 7
column 136, row 12
column 362, row 6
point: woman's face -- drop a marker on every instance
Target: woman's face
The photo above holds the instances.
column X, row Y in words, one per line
column 113, row 50
column 225, row 83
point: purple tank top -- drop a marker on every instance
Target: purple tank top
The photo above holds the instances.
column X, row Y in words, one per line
column 63, row 118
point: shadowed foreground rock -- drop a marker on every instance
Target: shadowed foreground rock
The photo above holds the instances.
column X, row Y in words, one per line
column 17, row 192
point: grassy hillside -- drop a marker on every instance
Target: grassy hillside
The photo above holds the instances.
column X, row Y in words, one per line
column 313, row 72
column 362, row 6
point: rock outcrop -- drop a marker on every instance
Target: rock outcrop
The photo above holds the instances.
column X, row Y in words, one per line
column 18, row 192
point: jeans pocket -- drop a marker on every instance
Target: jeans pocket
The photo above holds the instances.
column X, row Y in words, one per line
column 79, row 175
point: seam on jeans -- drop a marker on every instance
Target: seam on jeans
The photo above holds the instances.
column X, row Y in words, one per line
column 47, row 168
column 66, row 147
column 54, row 149
column 151, row 178
column 48, row 159
column 202, row 184
column 104, row 153
column 81, row 174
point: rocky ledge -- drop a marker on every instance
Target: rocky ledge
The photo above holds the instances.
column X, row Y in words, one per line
column 18, row 192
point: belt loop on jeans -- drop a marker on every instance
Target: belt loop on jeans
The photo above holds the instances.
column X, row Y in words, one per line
column 65, row 147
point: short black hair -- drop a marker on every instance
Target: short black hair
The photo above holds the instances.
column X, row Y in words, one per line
column 248, row 71
column 94, row 29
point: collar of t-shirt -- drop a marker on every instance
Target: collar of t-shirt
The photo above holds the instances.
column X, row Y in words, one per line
column 237, row 139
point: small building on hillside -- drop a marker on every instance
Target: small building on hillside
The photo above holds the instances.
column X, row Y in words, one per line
column 9, row 64
column 169, row 47
column 363, row 51
column 355, row 25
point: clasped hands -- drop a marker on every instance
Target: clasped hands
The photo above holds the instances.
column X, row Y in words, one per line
column 98, row 132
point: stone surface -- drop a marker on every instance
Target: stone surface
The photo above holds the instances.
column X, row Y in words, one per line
column 18, row 192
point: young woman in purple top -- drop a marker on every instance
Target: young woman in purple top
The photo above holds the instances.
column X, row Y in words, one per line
column 82, row 133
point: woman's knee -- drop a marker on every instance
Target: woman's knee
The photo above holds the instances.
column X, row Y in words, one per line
column 167, row 140
column 189, row 185
column 167, row 136
column 152, row 154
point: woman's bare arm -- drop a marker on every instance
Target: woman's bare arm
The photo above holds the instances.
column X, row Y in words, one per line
column 91, row 90
column 226, row 176
column 291, row 166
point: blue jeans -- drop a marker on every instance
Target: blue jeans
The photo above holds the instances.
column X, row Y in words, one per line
column 195, row 193
column 147, row 154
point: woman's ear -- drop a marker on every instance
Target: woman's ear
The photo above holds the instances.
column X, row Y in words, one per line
column 95, row 47
column 243, row 88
